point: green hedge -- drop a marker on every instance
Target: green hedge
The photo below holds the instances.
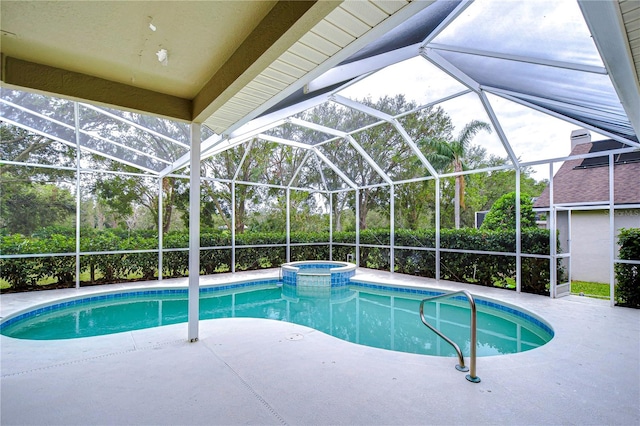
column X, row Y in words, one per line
column 628, row 275
column 487, row 270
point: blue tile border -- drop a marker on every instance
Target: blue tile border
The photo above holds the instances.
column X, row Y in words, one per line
column 133, row 294
column 334, row 279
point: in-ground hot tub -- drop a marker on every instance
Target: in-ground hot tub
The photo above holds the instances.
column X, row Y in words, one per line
column 317, row 277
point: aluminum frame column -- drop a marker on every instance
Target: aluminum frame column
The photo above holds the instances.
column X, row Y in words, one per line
column 233, row 226
column 357, row 259
column 518, row 233
column 76, row 112
column 553, row 241
column 160, row 227
column 288, row 226
column 194, row 234
column 330, row 226
column 392, row 227
column 612, row 233
column 437, row 228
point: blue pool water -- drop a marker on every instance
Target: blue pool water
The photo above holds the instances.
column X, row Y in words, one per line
column 368, row 314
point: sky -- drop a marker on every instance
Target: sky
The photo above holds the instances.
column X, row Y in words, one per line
column 541, row 24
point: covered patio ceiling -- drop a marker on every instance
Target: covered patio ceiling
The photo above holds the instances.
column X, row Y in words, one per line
column 245, row 68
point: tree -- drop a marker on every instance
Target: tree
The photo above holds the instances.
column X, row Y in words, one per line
column 383, row 144
column 502, row 215
column 483, row 189
column 414, row 203
column 33, row 197
column 27, row 208
column 451, row 154
column 247, row 163
column 122, row 194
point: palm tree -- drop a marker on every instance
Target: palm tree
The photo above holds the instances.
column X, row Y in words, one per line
column 445, row 154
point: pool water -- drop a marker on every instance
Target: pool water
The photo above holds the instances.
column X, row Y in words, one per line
column 378, row 318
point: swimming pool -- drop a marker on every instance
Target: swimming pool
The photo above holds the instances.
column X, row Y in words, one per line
column 364, row 313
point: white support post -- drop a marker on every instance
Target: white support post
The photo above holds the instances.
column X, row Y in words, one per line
column 288, row 225
column 78, row 192
column 357, row 259
column 392, row 228
column 612, row 233
column 553, row 242
column 233, row 226
column 518, row 234
column 194, row 234
column 569, row 239
column 437, row 228
column 330, row 225
column 160, row 227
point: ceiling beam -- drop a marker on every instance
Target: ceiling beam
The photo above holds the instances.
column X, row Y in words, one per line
column 342, row 73
column 519, row 58
column 82, row 87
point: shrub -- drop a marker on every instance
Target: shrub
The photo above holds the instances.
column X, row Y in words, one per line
column 62, row 268
column 21, row 272
column 503, row 213
column 628, row 275
column 481, row 269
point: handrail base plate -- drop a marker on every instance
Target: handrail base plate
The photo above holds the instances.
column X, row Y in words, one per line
column 473, row 379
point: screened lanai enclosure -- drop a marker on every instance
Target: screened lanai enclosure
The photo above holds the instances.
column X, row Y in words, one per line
column 379, row 136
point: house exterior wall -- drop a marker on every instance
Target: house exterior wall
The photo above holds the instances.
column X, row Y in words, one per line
column 590, row 241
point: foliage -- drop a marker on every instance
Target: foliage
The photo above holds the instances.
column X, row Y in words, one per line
column 120, row 210
column 28, row 207
column 483, row 189
column 121, row 194
column 503, row 213
column 628, row 275
column 21, row 272
column 451, row 154
column 481, row 269
column 33, row 197
column 383, row 144
column 418, row 258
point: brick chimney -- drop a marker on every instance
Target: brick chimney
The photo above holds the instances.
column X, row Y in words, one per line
column 580, row 136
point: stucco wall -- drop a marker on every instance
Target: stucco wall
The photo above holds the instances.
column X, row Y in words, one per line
column 590, row 241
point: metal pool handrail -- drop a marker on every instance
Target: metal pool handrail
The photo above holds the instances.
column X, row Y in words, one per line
column 460, row 367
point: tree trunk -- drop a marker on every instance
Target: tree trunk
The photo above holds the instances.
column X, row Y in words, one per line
column 166, row 219
column 363, row 208
column 338, row 206
column 240, row 213
column 459, row 193
column 337, row 221
column 167, row 187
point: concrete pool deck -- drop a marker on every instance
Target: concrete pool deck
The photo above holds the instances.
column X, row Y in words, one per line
column 251, row 371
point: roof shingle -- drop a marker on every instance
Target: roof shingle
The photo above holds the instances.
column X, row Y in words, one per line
column 591, row 185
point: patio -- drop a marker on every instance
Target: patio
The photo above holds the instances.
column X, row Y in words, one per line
column 62, row 66
column 249, row 371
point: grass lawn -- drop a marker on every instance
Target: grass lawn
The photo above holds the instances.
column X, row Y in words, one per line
column 589, row 289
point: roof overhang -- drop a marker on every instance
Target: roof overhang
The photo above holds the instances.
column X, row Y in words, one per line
column 109, row 52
